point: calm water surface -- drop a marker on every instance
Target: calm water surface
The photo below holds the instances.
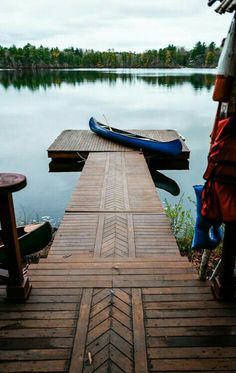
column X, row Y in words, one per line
column 36, row 107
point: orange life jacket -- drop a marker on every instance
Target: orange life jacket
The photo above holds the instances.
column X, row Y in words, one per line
column 219, row 193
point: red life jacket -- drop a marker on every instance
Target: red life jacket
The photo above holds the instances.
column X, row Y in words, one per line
column 219, row 193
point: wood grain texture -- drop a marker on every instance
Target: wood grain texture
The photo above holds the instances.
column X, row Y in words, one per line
column 87, row 141
column 107, row 343
column 140, row 354
column 115, row 182
column 114, row 235
column 114, row 294
column 76, row 364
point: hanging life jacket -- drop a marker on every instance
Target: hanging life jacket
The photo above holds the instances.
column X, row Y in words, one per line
column 219, row 192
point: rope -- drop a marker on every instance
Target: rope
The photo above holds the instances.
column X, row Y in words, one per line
column 80, row 155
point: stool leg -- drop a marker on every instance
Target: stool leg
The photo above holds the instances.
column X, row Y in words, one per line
column 18, row 285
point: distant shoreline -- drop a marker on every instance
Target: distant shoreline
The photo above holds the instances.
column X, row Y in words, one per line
column 170, row 57
column 54, row 68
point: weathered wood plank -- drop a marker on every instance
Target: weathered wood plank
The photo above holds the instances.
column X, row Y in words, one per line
column 30, row 323
column 189, row 313
column 36, row 315
column 77, row 358
column 35, row 343
column 37, row 333
column 70, row 257
column 35, row 354
column 217, row 330
column 125, row 266
column 184, row 305
column 191, row 322
column 192, row 341
column 106, row 272
column 191, row 352
column 191, row 365
column 140, row 357
column 54, row 366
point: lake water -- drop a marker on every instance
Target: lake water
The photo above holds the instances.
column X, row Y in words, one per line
column 36, row 107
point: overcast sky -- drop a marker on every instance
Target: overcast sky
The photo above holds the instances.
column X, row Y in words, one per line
column 134, row 25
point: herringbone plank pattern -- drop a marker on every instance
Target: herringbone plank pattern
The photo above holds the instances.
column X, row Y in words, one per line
column 110, row 337
column 115, row 184
column 115, row 236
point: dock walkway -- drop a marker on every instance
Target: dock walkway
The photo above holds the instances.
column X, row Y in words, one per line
column 114, row 294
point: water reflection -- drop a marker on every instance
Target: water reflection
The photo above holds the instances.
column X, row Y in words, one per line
column 66, row 166
column 49, row 78
column 37, row 107
column 161, row 181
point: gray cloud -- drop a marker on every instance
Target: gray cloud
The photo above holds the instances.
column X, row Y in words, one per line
column 118, row 24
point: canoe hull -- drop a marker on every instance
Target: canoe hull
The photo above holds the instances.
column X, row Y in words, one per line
column 31, row 242
column 172, row 148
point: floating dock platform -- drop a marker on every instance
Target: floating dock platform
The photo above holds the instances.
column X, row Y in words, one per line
column 77, row 144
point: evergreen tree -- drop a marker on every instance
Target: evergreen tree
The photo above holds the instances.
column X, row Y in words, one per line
column 42, row 57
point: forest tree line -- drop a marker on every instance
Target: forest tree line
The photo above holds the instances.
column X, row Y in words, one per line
column 32, row 57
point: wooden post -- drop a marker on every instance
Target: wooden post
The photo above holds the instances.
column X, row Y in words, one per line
column 223, row 285
column 18, row 287
column 225, row 93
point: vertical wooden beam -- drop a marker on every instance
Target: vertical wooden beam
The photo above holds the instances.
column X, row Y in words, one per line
column 126, row 191
column 223, row 285
column 131, row 241
column 105, row 178
column 140, row 353
column 77, row 358
column 18, row 287
column 10, row 239
column 99, row 236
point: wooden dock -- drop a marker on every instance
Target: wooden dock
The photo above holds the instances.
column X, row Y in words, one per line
column 114, row 294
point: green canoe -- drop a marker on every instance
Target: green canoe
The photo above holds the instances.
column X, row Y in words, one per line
column 32, row 238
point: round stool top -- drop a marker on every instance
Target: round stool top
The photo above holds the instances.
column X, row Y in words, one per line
column 10, row 183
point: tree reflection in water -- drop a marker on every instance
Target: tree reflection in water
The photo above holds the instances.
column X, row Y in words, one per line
column 35, row 79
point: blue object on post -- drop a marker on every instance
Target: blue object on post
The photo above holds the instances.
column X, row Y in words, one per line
column 207, row 235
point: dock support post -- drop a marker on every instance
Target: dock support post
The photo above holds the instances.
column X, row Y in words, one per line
column 223, row 285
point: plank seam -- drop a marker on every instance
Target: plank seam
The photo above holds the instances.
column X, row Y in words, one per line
column 140, row 351
column 131, row 240
column 99, row 236
column 103, row 195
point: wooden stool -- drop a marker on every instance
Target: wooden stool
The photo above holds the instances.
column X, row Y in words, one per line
column 18, row 287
